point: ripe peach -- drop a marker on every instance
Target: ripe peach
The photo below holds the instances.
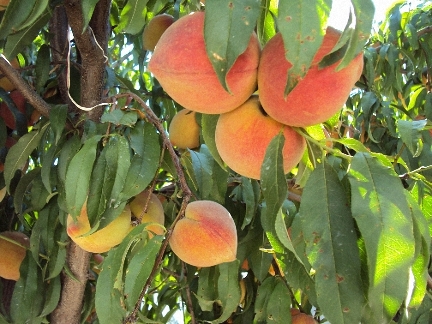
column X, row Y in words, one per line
column 154, row 30
column 102, row 240
column 317, row 97
column 181, row 65
column 12, row 255
column 6, row 114
column 184, row 131
column 206, row 236
column 5, row 82
column 303, row 319
column 243, row 135
column 153, row 214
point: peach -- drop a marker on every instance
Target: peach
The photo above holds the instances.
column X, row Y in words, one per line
column 317, row 97
column 102, row 240
column 153, row 214
column 5, row 82
column 184, row 131
column 5, row 113
column 206, row 236
column 181, row 65
column 11, row 254
column 3, row 4
column 303, row 319
column 154, row 30
column 243, row 135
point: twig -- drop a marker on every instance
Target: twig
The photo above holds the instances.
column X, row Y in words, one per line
column 188, row 297
column 31, row 96
column 132, row 318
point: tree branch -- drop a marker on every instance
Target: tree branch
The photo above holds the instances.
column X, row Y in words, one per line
column 31, row 96
column 92, row 45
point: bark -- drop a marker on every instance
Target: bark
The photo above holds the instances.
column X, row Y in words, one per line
column 91, row 44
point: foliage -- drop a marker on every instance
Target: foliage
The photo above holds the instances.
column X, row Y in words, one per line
column 346, row 233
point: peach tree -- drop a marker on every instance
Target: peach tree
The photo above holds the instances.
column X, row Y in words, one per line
column 343, row 236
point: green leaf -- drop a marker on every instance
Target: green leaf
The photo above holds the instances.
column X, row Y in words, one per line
column 19, row 153
column 42, row 69
column 228, row 26
column 274, row 187
column 22, row 188
column 273, row 182
column 301, row 24
column 16, row 42
column 58, row 115
column 384, row 219
column 364, row 11
column 109, row 301
column 422, row 253
column 144, row 163
column 410, row 133
column 327, row 226
column 14, row 16
column 52, row 296
column 207, row 288
column 132, row 19
column 279, row 304
column 88, row 7
column 120, row 117
column 250, row 197
column 202, row 166
column 27, row 301
column 228, row 289
column 273, row 302
column 39, row 8
column 78, row 175
column 69, row 149
column 208, row 128
column 140, row 267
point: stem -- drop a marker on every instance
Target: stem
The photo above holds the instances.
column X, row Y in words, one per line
column 322, row 145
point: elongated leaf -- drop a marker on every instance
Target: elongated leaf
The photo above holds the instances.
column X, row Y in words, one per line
column 422, row 253
column 144, row 163
column 279, row 304
column 273, row 182
column 207, row 288
column 26, row 299
column 228, row 289
column 327, row 226
column 228, row 26
column 42, row 67
column 208, row 127
column 88, row 7
column 19, row 153
column 14, row 16
column 78, row 175
column 132, row 19
column 384, row 219
column 410, row 133
column 109, row 301
column 364, row 11
column 301, row 24
column 264, row 297
column 17, row 41
column 274, row 188
column 139, row 269
column 202, row 163
column 58, row 115
column 22, row 187
column 52, row 296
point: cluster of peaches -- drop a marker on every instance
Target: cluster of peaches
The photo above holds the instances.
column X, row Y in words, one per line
column 248, row 119
column 206, row 236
